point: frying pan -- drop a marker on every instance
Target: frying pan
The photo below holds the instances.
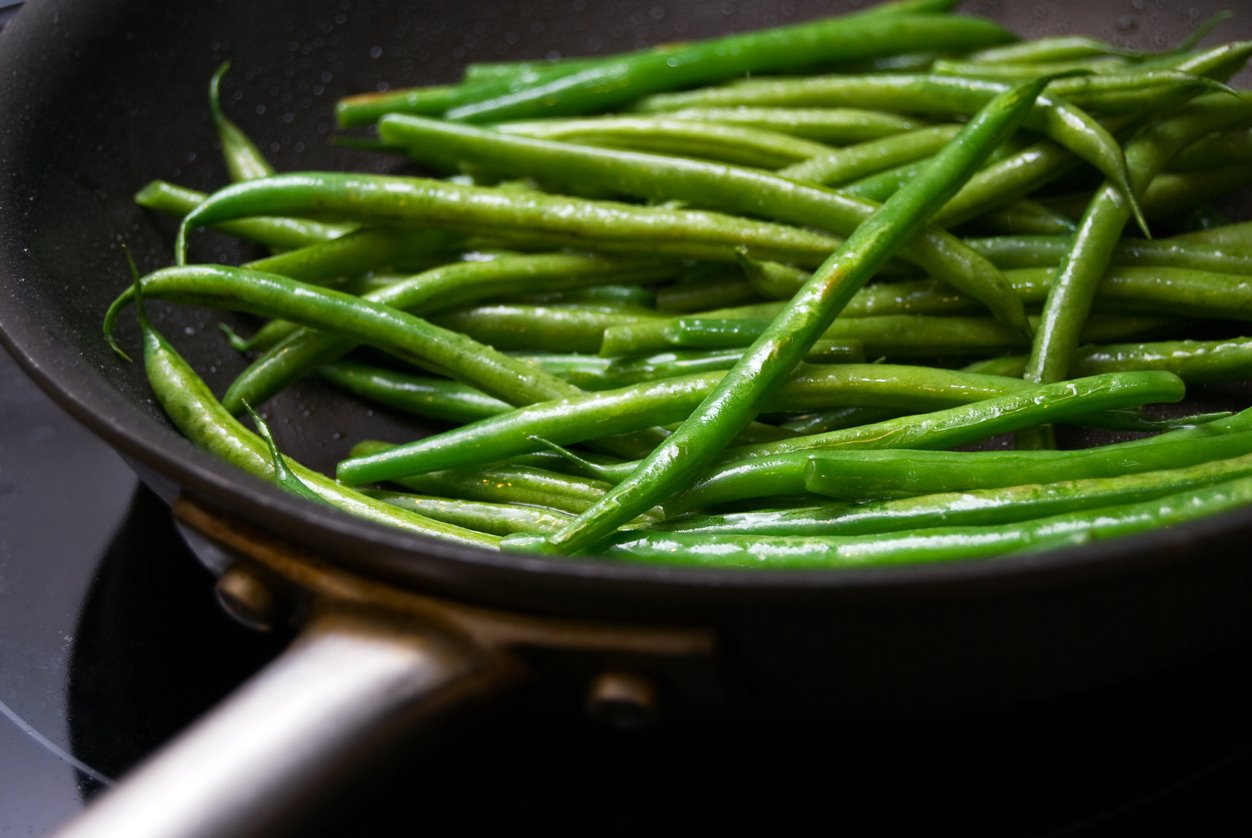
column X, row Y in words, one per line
column 99, row 98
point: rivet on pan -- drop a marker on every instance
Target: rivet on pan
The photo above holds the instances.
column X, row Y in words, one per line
column 623, row 699
column 249, row 600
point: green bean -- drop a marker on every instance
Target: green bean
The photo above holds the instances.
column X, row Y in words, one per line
column 976, row 507
column 679, row 460
column 277, row 233
column 720, row 186
column 1007, row 180
column 622, row 371
column 512, row 69
column 1026, row 218
column 613, row 295
column 1009, row 252
column 484, row 83
column 886, row 473
column 354, row 253
column 754, row 471
column 244, row 160
column 435, row 398
column 1065, row 47
column 708, row 290
column 1055, row 48
column 638, row 406
column 1192, row 360
column 440, row 288
column 271, row 295
column 836, row 126
column 888, row 335
column 503, row 483
column 480, row 516
column 1139, row 92
column 494, row 71
column 739, row 474
column 939, row 544
column 366, row 108
column 1152, row 290
column 1217, row 150
column 190, row 405
column 538, row 219
column 849, row 164
column 1123, row 288
column 1171, row 195
column 1016, row 71
column 768, row 51
column 837, row 419
column 882, row 185
column 1236, row 236
column 564, row 328
column 736, row 144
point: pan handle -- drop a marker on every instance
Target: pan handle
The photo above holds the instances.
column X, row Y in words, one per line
column 349, row 687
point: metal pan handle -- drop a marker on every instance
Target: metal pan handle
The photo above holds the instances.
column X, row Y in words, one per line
column 344, row 693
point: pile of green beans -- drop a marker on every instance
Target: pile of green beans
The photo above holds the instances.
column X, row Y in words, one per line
column 825, row 316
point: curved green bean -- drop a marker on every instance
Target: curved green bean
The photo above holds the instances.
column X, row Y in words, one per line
column 526, row 216
column 939, row 544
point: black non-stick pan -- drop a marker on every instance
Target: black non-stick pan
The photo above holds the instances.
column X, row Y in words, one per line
column 98, row 98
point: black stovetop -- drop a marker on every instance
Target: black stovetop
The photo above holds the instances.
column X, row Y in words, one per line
column 110, row 642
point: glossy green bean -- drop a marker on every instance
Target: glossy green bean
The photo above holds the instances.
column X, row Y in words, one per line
column 1054, row 48
column 888, row 335
column 1009, row 252
column 244, row 161
column 974, row 507
column 447, row 286
column 769, row 51
column 706, row 291
column 504, row 483
column 1215, row 151
column 885, row 473
column 758, row 147
column 277, row 233
column 607, row 412
column 271, row 295
column 480, row 516
column 434, row 398
column 1025, row 218
column 849, row 164
column 939, row 544
column 355, row 253
column 837, row 126
column 506, row 69
column 622, row 371
column 538, row 219
column 565, row 328
column 1171, row 195
column 190, row 405
column 1139, row 289
column 1225, row 359
column 773, row 468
